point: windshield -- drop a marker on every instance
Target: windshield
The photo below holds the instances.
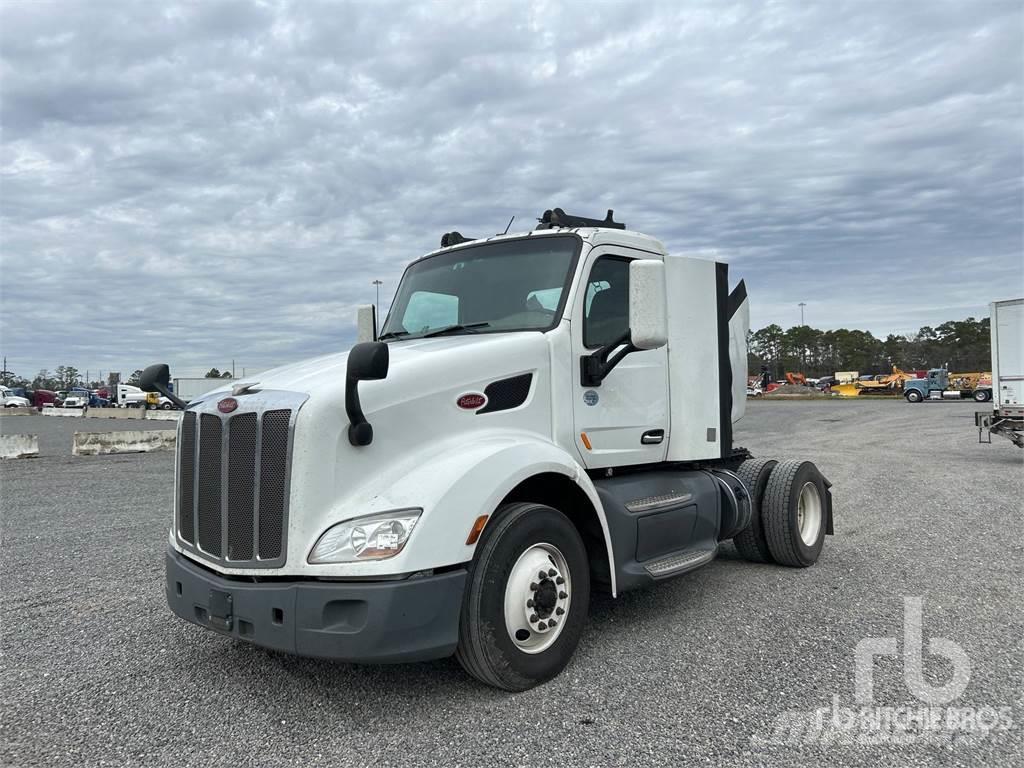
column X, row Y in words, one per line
column 513, row 285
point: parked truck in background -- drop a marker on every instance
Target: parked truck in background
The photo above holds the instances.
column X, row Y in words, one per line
column 1006, row 417
column 526, row 428
column 940, row 384
column 130, row 396
column 8, row 399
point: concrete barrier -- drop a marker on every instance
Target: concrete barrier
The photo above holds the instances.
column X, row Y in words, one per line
column 18, row 446
column 128, row 441
column 164, row 415
column 115, row 413
column 18, row 411
column 66, row 412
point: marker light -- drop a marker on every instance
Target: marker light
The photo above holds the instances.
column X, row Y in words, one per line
column 373, row 537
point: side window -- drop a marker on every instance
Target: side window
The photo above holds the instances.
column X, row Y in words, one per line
column 606, row 312
column 428, row 310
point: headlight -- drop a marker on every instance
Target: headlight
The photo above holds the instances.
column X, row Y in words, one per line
column 374, row 537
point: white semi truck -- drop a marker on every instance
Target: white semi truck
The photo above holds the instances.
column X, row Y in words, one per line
column 1006, row 416
column 543, row 414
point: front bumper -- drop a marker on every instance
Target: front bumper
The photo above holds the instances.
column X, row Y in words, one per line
column 374, row 622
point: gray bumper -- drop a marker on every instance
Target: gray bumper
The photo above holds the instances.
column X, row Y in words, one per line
column 375, row 622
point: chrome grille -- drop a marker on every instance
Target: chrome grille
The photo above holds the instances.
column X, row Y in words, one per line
column 232, row 484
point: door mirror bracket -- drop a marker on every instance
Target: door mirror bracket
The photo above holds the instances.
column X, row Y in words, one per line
column 596, row 366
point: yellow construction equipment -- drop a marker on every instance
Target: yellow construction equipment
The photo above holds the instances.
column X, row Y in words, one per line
column 891, row 385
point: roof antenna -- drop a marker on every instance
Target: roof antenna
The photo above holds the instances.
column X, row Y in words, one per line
column 509, row 225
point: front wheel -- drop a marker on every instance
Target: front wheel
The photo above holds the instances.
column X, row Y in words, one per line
column 981, row 395
column 913, row 396
column 526, row 598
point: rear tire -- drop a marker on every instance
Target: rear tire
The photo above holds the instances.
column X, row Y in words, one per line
column 518, row 657
column 913, row 396
column 981, row 395
column 751, row 542
column 794, row 513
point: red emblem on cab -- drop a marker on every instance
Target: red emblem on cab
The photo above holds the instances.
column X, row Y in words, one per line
column 471, row 401
column 227, row 405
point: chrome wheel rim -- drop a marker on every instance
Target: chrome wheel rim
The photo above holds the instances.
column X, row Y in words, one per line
column 808, row 513
column 537, row 598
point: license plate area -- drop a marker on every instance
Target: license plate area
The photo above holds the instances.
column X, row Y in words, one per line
column 220, row 610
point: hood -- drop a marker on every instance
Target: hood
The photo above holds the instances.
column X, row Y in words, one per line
column 435, row 364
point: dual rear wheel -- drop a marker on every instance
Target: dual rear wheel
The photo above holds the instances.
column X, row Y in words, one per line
column 789, row 515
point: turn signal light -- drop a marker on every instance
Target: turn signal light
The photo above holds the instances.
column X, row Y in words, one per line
column 476, row 530
column 586, row 441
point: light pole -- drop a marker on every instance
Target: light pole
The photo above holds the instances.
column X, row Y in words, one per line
column 376, row 306
column 802, row 305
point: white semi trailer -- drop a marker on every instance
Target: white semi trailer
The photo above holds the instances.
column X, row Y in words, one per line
column 543, row 414
column 1006, row 417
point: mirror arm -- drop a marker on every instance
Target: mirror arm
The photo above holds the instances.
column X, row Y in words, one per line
column 595, row 367
column 170, row 396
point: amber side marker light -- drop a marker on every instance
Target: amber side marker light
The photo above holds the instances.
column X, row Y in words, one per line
column 586, row 441
column 476, row 530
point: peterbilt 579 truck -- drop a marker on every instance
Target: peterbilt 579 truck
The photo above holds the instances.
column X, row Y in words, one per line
column 525, row 428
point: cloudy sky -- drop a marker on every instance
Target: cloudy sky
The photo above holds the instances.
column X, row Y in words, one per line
column 211, row 181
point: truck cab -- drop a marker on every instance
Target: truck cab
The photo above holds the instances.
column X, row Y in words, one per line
column 540, row 415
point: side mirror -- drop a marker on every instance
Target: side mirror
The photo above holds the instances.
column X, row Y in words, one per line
column 367, row 361
column 366, row 323
column 648, row 315
column 157, row 378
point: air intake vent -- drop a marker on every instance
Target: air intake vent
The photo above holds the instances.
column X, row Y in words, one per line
column 507, row 393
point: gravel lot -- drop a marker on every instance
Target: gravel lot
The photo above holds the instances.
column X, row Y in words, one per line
column 702, row 669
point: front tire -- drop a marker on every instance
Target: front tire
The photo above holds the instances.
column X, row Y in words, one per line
column 913, row 396
column 981, row 395
column 795, row 513
column 526, row 598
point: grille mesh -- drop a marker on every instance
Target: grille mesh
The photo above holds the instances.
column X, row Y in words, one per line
column 233, row 485
column 186, row 479
column 241, row 485
column 209, row 484
column 273, row 479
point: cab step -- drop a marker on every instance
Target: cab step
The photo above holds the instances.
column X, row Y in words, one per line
column 679, row 562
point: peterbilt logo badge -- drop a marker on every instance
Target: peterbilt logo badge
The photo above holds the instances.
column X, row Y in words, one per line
column 471, row 401
column 227, row 405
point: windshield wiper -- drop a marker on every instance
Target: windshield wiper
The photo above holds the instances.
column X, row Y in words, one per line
column 392, row 335
column 454, row 328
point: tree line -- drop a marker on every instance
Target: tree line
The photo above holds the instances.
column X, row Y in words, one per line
column 67, row 376
column 963, row 345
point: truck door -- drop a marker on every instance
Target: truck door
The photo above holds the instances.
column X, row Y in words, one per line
column 626, row 418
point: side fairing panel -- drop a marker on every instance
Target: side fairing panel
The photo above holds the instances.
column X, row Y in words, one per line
column 739, row 326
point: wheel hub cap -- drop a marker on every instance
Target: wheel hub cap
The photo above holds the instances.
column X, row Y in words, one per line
column 537, row 598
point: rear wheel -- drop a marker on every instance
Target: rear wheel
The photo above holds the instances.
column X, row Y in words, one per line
column 913, row 396
column 750, row 542
column 981, row 395
column 526, row 599
column 794, row 513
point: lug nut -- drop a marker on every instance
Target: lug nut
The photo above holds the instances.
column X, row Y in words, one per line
column 552, row 623
column 559, row 580
column 529, row 603
column 542, row 575
column 551, row 572
column 559, row 611
column 542, row 625
column 533, row 586
column 533, row 618
column 562, row 595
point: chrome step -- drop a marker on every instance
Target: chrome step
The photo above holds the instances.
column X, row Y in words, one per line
column 679, row 562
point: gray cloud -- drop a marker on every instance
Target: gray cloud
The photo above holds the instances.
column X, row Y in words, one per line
column 213, row 181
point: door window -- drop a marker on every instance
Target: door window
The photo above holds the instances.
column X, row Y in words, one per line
column 606, row 310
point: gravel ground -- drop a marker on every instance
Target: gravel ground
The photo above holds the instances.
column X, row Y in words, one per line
column 55, row 431
column 700, row 670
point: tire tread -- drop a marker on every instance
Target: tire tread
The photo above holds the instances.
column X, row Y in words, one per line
column 751, row 542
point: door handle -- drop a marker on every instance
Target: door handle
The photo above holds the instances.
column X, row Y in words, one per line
column 652, row 437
